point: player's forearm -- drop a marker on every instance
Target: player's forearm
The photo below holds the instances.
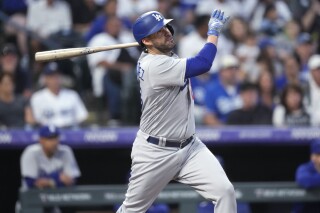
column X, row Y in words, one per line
column 202, row 62
column 213, row 39
column 44, row 183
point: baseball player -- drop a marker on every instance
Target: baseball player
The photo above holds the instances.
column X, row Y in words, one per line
column 48, row 164
column 166, row 147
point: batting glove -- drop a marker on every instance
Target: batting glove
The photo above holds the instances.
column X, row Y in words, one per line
column 216, row 22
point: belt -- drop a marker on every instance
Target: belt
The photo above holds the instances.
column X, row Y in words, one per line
column 169, row 143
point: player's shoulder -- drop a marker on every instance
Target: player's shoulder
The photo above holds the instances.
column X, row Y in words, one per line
column 33, row 149
column 39, row 93
column 64, row 149
column 305, row 166
column 68, row 93
column 153, row 61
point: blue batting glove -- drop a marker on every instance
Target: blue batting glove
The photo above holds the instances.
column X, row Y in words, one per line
column 216, row 22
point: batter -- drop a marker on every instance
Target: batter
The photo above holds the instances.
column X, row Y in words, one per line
column 166, row 147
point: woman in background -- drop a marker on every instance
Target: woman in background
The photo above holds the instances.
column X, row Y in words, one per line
column 290, row 112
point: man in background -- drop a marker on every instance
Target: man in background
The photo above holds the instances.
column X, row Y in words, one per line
column 57, row 105
column 308, row 177
column 48, row 164
column 251, row 112
column 223, row 97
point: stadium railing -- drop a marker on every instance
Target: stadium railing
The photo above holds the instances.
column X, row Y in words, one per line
column 124, row 137
column 33, row 201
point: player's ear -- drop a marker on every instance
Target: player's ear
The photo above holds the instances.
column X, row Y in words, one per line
column 146, row 41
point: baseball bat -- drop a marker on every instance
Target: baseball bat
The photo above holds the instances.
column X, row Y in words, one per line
column 59, row 54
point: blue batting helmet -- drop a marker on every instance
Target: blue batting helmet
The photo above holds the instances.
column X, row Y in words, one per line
column 149, row 23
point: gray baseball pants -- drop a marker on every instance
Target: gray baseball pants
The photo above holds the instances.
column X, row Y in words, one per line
column 153, row 167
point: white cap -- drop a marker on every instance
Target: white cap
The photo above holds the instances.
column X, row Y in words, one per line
column 314, row 62
column 229, row 61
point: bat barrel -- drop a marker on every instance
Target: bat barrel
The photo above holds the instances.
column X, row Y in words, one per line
column 60, row 54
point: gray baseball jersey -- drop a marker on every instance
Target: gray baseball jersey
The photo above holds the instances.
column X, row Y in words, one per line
column 35, row 164
column 167, row 112
column 167, row 104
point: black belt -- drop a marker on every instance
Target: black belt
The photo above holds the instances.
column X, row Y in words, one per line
column 169, row 143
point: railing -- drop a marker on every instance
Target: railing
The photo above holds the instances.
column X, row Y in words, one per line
column 33, row 201
column 124, row 137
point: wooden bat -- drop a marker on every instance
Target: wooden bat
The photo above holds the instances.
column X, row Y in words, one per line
column 59, row 54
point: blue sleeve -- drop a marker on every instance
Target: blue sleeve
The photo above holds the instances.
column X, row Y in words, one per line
column 29, row 181
column 306, row 178
column 56, row 177
column 202, row 62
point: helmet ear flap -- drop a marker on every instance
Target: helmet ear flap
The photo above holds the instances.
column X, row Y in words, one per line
column 170, row 28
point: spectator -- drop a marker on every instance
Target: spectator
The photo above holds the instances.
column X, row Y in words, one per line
column 48, row 16
column 237, row 32
column 9, row 63
column 248, row 52
column 291, row 111
column 308, row 13
column 303, row 50
column 133, row 8
column 81, row 21
column 14, row 110
column 222, row 97
column 190, row 44
column 286, row 40
column 272, row 22
column 16, row 10
column 269, row 57
column 112, row 69
column 313, row 93
column 308, row 177
column 291, row 74
column 56, row 105
column 204, row 7
column 45, row 18
column 251, row 112
column 281, row 8
column 98, row 25
column 267, row 92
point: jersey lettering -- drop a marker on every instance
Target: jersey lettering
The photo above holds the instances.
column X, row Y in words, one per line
column 157, row 16
column 140, row 72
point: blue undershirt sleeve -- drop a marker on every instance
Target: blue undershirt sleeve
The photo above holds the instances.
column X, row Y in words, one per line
column 202, row 62
column 29, row 181
column 56, row 177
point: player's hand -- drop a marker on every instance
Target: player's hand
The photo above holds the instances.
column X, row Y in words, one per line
column 66, row 180
column 44, row 183
column 217, row 21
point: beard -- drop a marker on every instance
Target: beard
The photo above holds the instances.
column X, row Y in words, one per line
column 165, row 47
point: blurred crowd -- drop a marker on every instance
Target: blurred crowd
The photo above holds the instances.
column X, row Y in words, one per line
column 266, row 71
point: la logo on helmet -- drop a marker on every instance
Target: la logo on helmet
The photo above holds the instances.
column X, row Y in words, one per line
column 157, row 16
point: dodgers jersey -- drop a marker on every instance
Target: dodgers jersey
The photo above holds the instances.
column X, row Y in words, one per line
column 62, row 110
column 167, row 104
column 35, row 164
